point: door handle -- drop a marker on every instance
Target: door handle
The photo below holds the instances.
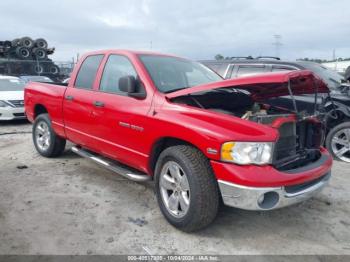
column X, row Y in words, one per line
column 99, row 104
column 69, row 98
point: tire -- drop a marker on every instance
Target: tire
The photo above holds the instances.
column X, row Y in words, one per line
column 15, row 42
column 38, row 69
column 7, row 44
column 338, row 142
column 202, row 194
column 41, row 43
column 26, row 42
column 54, row 69
column 39, row 53
column 54, row 145
column 23, row 52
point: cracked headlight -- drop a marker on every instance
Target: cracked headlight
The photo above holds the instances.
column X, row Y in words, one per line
column 245, row 153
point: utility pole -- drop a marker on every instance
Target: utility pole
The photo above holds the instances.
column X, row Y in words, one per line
column 151, row 45
column 277, row 44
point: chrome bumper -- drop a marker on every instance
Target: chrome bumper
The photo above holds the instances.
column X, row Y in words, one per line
column 267, row 198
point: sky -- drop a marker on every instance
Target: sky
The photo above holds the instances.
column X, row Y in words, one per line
column 197, row 29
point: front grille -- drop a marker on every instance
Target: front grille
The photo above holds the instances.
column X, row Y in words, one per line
column 17, row 103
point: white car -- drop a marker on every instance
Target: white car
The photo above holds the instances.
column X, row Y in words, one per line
column 11, row 98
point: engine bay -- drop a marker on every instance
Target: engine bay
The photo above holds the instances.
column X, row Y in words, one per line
column 299, row 140
column 234, row 102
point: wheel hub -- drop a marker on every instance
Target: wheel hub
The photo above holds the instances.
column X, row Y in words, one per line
column 340, row 144
column 174, row 188
column 42, row 136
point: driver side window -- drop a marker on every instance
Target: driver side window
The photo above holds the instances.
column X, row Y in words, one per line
column 116, row 67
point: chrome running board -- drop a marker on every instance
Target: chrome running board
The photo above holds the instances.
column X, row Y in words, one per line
column 112, row 165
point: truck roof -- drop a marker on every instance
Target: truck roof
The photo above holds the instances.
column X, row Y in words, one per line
column 127, row 52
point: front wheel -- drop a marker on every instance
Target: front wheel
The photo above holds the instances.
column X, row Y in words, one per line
column 186, row 188
column 338, row 142
column 46, row 142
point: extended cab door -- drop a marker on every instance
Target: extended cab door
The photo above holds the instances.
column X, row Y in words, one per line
column 78, row 103
column 120, row 121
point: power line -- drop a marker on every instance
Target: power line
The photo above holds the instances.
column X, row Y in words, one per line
column 277, row 44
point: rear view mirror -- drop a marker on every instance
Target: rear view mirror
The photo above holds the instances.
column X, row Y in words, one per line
column 130, row 85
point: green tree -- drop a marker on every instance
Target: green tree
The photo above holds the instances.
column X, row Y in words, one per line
column 219, row 57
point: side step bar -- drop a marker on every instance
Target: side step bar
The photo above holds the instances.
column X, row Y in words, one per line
column 112, row 165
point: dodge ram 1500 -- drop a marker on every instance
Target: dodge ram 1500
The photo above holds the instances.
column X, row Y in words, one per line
column 149, row 116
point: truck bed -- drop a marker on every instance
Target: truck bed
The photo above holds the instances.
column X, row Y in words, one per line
column 50, row 94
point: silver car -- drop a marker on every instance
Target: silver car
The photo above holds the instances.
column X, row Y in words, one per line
column 11, row 98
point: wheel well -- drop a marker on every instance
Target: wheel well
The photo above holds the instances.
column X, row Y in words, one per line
column 39, row 109
column 162, row 144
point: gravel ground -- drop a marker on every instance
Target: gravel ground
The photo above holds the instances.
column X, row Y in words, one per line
column 69, row 205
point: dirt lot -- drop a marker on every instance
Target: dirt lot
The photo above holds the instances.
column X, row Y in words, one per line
column 71, row 206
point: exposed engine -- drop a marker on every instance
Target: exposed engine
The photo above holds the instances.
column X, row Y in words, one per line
column 300, row 137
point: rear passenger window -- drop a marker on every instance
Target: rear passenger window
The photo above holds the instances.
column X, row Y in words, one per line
column 250, row 70
column 87, row 73
column 116, row 67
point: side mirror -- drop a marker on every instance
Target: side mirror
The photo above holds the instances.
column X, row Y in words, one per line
column 131, row 86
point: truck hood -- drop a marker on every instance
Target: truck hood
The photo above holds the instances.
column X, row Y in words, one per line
column 265, row 85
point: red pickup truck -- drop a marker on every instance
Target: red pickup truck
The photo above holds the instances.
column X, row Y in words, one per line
column 149, row 116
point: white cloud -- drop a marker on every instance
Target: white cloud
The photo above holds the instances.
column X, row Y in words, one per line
column 192, row 28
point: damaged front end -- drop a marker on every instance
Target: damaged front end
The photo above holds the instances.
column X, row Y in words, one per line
column 301, row 135
column 299, row 142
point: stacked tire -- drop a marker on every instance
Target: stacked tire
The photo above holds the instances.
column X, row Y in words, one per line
column 27, row 48
column 28, row 56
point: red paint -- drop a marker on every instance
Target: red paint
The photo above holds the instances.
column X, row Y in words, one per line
column 99, row 129
column 266, row 85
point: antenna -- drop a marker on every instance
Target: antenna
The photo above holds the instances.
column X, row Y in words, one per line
column 277, row 44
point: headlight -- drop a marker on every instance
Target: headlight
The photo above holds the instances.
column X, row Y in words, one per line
column 3, row 104
column 245, row 153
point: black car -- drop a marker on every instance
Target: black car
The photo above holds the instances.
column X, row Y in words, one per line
column 335, row 107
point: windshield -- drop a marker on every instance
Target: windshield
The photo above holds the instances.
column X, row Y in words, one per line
column 170, row 74
column 331, row 77
column 11, row 85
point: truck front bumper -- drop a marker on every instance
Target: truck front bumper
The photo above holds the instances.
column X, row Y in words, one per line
column 267, row 198
column 265, row 188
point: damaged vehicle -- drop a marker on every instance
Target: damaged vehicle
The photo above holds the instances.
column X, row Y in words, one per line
column 149, row 116
column 335, row 106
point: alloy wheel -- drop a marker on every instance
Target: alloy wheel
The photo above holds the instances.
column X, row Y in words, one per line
column 42, row 136
column 174, row 188
column 340, row 144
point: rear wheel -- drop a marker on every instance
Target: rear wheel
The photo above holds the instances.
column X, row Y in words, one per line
column 338, row 142
column 46, row 142
column 186, row 188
